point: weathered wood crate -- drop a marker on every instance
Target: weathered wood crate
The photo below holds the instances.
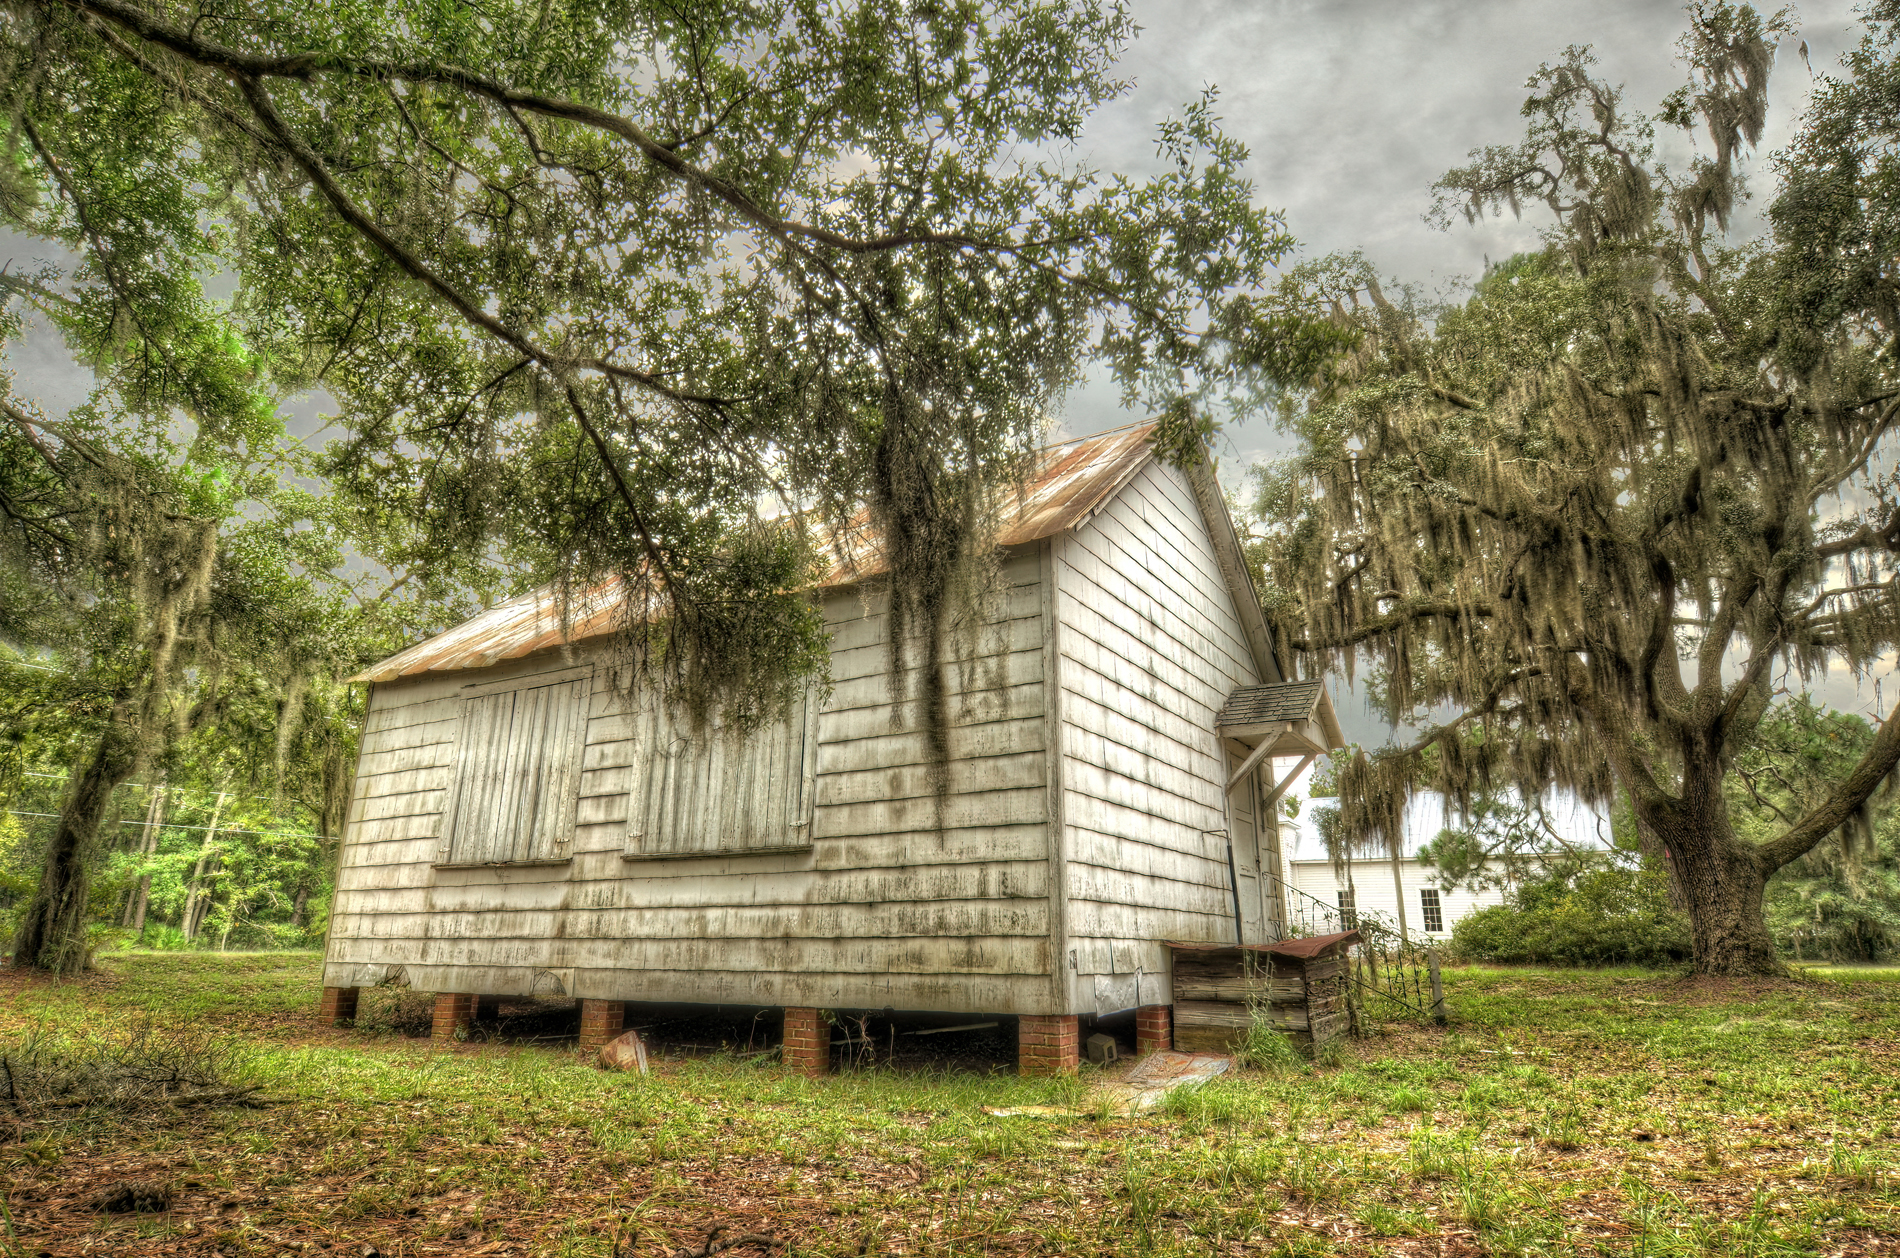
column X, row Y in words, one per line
column 1297, row 985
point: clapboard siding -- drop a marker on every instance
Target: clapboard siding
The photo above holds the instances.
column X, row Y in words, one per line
column 1082, row 819
column 1150, row 647
column 905, row 897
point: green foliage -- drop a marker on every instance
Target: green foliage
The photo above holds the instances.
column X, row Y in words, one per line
column 1585, row 912
column 601, row 291
column 1499, row 842
column 1840, row 901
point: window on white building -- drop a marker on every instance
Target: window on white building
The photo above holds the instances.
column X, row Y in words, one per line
column 1434, row 911
column 1348, row 912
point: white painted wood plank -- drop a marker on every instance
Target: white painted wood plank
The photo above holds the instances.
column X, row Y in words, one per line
column 1008, row 954
column 1182, row 854
column 1137, row 891
column 988, row 808
column 885, row 750
column 993, row 692
column 1144, row 648
column 393, row 711
column 949, row 993
column 996, row 880
column 939, row 848
column 734, row 934
column 908, row 782
column 1164, row 806
column 410, row 803
column 403, row 782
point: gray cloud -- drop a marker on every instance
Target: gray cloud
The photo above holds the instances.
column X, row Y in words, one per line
column 1353, row 109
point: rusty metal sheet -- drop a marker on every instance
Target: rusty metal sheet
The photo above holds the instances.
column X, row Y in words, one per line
column 509, row 630
column 1073, row 481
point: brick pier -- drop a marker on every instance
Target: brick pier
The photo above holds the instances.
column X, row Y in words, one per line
column 1154, row 1028
column 807, row 1049
column 453, row 1013
column 1047, row 1044
column 338, row 1005
column 601, row 1021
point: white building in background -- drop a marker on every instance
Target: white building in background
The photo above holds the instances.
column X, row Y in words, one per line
column 1314, row 885
column 1369, row 886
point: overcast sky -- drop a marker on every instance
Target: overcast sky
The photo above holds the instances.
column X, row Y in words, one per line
column 1351, row 108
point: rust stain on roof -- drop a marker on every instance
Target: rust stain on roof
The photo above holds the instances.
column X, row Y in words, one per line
column 1075, row 479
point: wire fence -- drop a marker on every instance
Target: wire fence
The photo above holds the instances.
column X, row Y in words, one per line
column 1392, row 974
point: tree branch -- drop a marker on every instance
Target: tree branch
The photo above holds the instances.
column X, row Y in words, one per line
column 1393, row 620
column 1858, row 787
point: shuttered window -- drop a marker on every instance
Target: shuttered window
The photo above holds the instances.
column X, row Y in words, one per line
column 714, row 791
column 517, row 775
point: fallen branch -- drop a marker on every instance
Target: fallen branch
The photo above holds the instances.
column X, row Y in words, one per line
column 713, row 1245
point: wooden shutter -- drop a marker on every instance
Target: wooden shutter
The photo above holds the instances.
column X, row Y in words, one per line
column 716, row 791
column 517, row 775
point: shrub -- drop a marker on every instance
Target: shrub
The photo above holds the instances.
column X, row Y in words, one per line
column 1580, row 914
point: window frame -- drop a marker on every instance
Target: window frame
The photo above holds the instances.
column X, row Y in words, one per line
column 1348, row 910
column 1432, row 910
column 802, row 794
column 559, row 778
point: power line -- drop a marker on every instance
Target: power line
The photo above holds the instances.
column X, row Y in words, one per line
column 166, row 825
column 176, row 790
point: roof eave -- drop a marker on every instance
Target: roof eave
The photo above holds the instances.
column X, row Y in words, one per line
column 1233, row 566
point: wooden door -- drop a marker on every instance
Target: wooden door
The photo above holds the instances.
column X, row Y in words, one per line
column 1244, row 832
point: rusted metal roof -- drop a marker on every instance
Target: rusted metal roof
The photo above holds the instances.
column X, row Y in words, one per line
column 1074, row 480
column 520, row 626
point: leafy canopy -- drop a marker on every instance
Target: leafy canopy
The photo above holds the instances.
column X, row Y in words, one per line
column 613, row 283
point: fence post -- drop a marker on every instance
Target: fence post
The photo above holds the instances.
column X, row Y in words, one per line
column 1438, row 987
column 1356, row 998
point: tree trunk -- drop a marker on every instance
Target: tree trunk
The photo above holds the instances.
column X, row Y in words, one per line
column 197, row 899
column 52, row 933
column 1398, row 890
column 301, row 905
column 142, row 889
column 1722, row 883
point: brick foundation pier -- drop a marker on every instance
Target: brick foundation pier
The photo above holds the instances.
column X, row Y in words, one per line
column 807, row 1046
column 601, row 1020
column 1047, row 1044
column 453, row 1013
column 338, row 1005
column 1154, row 1029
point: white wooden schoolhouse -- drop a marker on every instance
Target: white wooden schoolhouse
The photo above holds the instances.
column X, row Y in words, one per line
column 1118, row 745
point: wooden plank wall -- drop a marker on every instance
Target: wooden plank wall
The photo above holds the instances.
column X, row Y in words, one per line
column 902, row 899
column 1149, row 648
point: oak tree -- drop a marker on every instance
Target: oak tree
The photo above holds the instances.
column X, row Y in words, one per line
column 1600, row 511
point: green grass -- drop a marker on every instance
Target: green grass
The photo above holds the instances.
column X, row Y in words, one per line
column 1609, row 1112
